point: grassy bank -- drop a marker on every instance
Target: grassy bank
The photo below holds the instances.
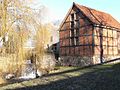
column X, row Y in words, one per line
column 102, row 77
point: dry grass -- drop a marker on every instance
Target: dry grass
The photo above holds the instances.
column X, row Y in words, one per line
column 2, row 81
column 5, row 63
column 11, row 64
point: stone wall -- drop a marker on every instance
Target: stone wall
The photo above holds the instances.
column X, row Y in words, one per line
column 96, row 58
column 75, row 61
column 84, row 60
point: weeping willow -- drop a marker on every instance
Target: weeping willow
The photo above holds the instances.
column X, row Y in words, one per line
column 42, row 38
column 15, row 19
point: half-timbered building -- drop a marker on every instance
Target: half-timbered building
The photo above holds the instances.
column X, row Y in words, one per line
column 88, row 36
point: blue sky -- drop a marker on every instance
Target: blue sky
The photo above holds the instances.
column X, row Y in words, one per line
column 58, row 8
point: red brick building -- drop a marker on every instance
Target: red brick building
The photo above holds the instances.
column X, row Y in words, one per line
column 88, row 36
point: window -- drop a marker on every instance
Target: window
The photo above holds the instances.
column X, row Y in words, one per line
column 77, row 40
column 74, row 32
column 72, row 17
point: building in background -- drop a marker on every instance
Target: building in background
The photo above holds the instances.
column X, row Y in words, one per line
column 88, row 36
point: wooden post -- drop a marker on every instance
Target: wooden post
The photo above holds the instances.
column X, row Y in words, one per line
column 35, row 57
column 101, row 43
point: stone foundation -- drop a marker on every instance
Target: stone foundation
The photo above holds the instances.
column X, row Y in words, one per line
column 84, row 61
column 96, row 58
column 75, row 61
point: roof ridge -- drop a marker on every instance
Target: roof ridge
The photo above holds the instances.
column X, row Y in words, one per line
column 98, row 17
column 91, row 8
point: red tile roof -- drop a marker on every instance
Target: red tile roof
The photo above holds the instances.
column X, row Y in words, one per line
column 98, row 17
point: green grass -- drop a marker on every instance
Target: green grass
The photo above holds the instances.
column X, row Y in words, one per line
column 102, row 77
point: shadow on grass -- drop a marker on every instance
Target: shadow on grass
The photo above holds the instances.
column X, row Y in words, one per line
column 12, row 81
column 107, row 78
column 85, row 67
